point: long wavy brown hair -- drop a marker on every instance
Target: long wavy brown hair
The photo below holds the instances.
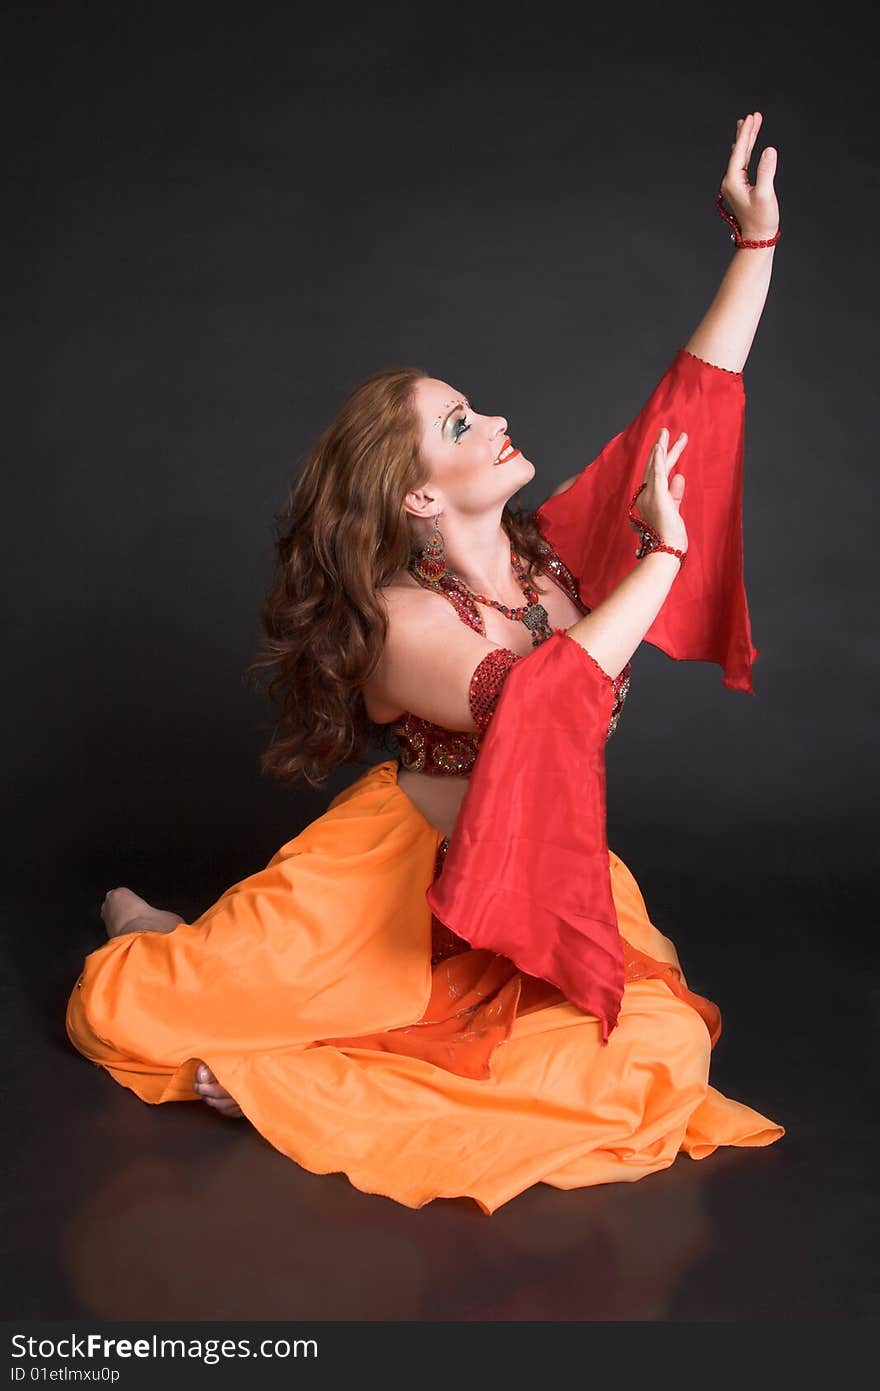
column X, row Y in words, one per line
column 341, row 536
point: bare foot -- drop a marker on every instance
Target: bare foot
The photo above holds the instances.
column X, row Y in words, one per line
column 123, row 911
column 210, row 1090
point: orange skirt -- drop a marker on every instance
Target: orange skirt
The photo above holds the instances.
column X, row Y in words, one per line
column 309, row 991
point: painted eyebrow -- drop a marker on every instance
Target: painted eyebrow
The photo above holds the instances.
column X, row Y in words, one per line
column 458, row 405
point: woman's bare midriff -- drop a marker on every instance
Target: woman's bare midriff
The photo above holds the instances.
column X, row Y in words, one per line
column 439, row 798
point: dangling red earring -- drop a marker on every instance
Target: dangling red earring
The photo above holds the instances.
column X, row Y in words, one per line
column 431, row 559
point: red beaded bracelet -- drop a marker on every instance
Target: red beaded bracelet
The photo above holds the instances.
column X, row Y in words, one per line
column 651, row 540
column 736, row 235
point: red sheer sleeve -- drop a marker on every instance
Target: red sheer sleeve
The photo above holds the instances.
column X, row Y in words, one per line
column 527, row 870
column 705, row 616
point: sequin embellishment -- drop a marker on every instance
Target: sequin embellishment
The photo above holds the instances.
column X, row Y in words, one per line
column 486, row 683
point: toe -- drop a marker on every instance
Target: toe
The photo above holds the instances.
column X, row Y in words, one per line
column 226, row 1107
column 212, row 1091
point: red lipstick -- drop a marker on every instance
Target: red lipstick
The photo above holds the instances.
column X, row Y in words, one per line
column 512, row 455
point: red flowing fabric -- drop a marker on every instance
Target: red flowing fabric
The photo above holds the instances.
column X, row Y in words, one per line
column 705, row 616
column 527, row 870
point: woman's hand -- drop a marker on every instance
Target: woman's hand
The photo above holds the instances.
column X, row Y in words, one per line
column 755, row 209
column 658, row 504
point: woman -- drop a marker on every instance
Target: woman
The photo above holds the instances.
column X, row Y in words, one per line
column 535, row 1026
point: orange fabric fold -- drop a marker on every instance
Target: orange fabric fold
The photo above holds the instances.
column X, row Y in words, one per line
column 472, row 1007
column 639, row 965
column 476, row 996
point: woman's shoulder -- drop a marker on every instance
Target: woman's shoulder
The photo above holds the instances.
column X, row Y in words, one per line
column 411, row 610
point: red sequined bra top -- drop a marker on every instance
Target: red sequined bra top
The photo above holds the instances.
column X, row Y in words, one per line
column 424, row 747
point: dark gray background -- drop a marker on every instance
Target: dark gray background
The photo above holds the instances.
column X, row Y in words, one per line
column 222, row 218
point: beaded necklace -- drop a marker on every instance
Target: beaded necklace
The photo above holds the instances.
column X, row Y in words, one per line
column 532, row 613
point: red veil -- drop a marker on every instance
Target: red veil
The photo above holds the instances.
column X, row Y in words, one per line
column 527, row 870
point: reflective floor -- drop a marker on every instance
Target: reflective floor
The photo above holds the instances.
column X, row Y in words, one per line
column 121, row 1210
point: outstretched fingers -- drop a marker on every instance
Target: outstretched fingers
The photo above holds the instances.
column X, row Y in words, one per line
column 741, row 150
column 662, row 458
column 737, row 175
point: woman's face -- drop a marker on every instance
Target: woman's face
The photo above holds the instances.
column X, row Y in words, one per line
column 461, row 449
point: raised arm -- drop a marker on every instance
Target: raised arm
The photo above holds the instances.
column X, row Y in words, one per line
column 705, row 617
column 725, row 334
